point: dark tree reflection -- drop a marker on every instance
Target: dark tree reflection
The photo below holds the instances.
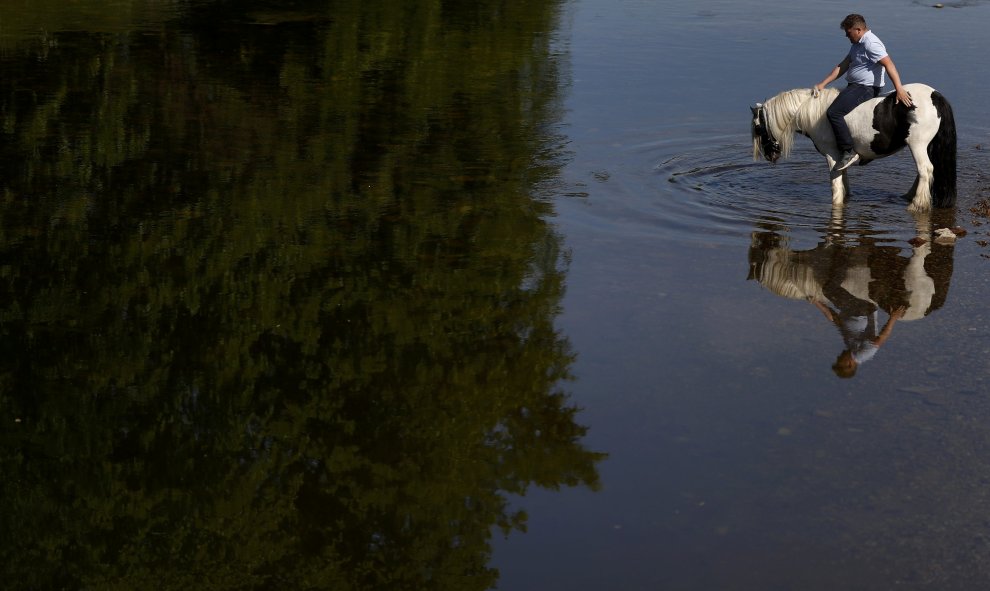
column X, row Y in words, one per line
column 278, row 296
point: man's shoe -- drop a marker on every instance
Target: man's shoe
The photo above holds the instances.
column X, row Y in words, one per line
column 847, row 159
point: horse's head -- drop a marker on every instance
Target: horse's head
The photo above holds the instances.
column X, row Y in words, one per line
column 764, row 144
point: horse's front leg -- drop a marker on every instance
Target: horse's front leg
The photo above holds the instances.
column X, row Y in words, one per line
column 921, row 192
column 840, row 182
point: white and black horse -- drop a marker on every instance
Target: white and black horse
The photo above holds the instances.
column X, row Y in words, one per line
column 879, row 128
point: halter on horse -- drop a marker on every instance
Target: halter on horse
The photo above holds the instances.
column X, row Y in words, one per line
column 769, row 145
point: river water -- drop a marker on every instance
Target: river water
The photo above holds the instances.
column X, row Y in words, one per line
column 738, row 458
column 423, row 295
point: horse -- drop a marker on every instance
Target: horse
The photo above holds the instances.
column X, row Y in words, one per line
column 880, row 127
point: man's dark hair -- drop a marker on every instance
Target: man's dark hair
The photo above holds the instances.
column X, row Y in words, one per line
column 852, row 20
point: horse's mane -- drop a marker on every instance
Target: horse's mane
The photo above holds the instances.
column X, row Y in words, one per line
column 796, row 110
column 778, row 272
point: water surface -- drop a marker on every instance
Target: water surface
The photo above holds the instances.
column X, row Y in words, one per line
column 439, row 296
column 738, row 457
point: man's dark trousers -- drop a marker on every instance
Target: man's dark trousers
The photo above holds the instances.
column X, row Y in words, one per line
column 849, row 98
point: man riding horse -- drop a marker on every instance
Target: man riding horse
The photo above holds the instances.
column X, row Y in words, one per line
column 864, row 68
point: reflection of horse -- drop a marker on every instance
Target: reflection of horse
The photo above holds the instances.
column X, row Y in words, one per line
column 879, row 128
column 850, row 284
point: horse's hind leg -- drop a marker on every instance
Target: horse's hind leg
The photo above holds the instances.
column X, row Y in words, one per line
column 921, row 192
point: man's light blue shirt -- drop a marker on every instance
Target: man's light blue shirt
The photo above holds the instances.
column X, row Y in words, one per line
column 863, row 58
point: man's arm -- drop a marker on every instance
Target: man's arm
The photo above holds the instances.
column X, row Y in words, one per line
column 823, row 308
column 902, row 95
column 835, row 73
column 885, row 332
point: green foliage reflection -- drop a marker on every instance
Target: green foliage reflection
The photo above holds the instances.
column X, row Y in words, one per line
column 278, row 297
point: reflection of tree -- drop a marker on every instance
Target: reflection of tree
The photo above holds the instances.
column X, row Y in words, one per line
column 849, row 279
column 278, row 300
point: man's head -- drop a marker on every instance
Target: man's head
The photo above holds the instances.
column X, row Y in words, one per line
column 845, row 365
column 855, row 27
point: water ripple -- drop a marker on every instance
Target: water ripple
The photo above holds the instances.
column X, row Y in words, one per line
column 708, row 189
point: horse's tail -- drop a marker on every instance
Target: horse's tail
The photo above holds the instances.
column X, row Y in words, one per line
column 942, row 153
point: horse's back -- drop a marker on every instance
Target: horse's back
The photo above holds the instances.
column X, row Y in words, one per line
column 882, row 126
column 917, row 90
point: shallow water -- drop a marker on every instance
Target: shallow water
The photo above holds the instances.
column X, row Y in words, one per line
column 349, row 299
column 738, row 458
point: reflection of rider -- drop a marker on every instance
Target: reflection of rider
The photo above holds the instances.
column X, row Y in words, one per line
column 858, row 325
column 848, row 289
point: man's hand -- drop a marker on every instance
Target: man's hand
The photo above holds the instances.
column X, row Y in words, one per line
column 904, row 97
